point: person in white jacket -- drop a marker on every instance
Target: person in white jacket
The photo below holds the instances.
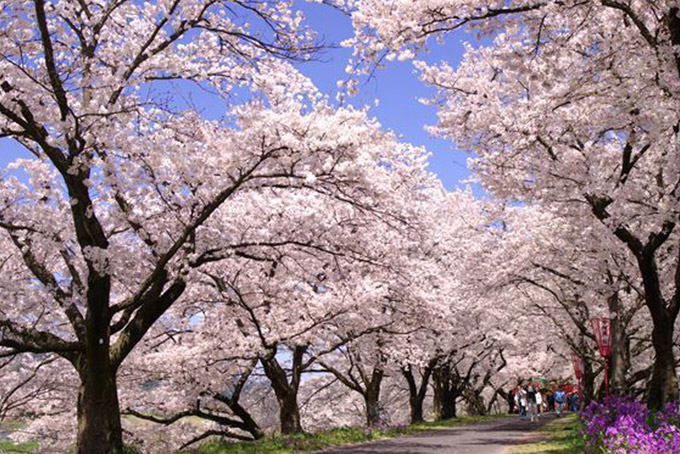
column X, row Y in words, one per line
column 521, row 401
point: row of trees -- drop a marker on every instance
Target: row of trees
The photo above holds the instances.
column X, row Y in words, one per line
column 161, row 267
column 155, row 259
column 571, row 106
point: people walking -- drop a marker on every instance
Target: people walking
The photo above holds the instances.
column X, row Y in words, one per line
column 532, row 406
column 550, row 396
column 560, row 398
column 522, row 402
column 573, row 402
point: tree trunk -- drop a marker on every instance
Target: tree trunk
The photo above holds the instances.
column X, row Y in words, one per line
column 372, row 398
column 416, row 404
column 444, row 398
column 619, row 363
column 289, row 413
column 444, row 408
column 373, row 413
column 250, row 425
column 509, row 399
column 475, row 402
column 587, row 383
column 286, row 391
column 417, row 394
column 663, row 386
column 99, row 427
column 414, row 399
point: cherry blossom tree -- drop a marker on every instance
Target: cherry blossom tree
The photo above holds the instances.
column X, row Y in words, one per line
column 31, row 381
column 571, row 105
column 169, row 404
column 127, row 197
column 583, row 273
column 454, row 232
column 285, row 306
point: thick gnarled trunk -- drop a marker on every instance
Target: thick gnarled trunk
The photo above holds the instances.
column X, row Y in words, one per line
column 371, row 394
column 367, row 384
column 475, row 403
column 417, row 393
column 289, row 413
column 444, row 400
column 373, row 410
column 416, row 405
column 663, row 386
column 444, row 406
column 99, row 426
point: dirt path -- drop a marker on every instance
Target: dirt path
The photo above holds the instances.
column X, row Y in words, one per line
column 492, row 437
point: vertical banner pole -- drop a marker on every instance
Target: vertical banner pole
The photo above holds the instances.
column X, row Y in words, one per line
column 606, row 379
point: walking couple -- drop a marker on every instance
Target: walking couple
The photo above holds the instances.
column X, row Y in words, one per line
column 528, row 399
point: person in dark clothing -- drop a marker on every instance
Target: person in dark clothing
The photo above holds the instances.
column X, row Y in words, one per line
column 551, row 400
column 573, row 402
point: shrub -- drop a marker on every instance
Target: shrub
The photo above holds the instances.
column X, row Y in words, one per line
column 628, row 427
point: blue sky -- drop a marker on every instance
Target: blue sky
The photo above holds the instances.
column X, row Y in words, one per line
column 397, row 88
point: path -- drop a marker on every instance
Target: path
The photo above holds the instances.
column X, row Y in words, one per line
column 491, row 437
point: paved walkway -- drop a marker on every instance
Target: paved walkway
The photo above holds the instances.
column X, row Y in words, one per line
column 491, row 437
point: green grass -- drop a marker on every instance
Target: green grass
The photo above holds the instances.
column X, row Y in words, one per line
column 10, row 425
column 558, row 437
column 278, row 444
column 8, row 447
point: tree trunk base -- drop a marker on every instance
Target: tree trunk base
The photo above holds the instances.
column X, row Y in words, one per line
column 99, row 426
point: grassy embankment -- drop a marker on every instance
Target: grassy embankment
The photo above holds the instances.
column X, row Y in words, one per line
column 9, row 447
column 278, row 444
column 558, row 437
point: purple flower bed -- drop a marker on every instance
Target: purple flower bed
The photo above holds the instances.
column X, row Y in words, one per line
column 628, row 427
